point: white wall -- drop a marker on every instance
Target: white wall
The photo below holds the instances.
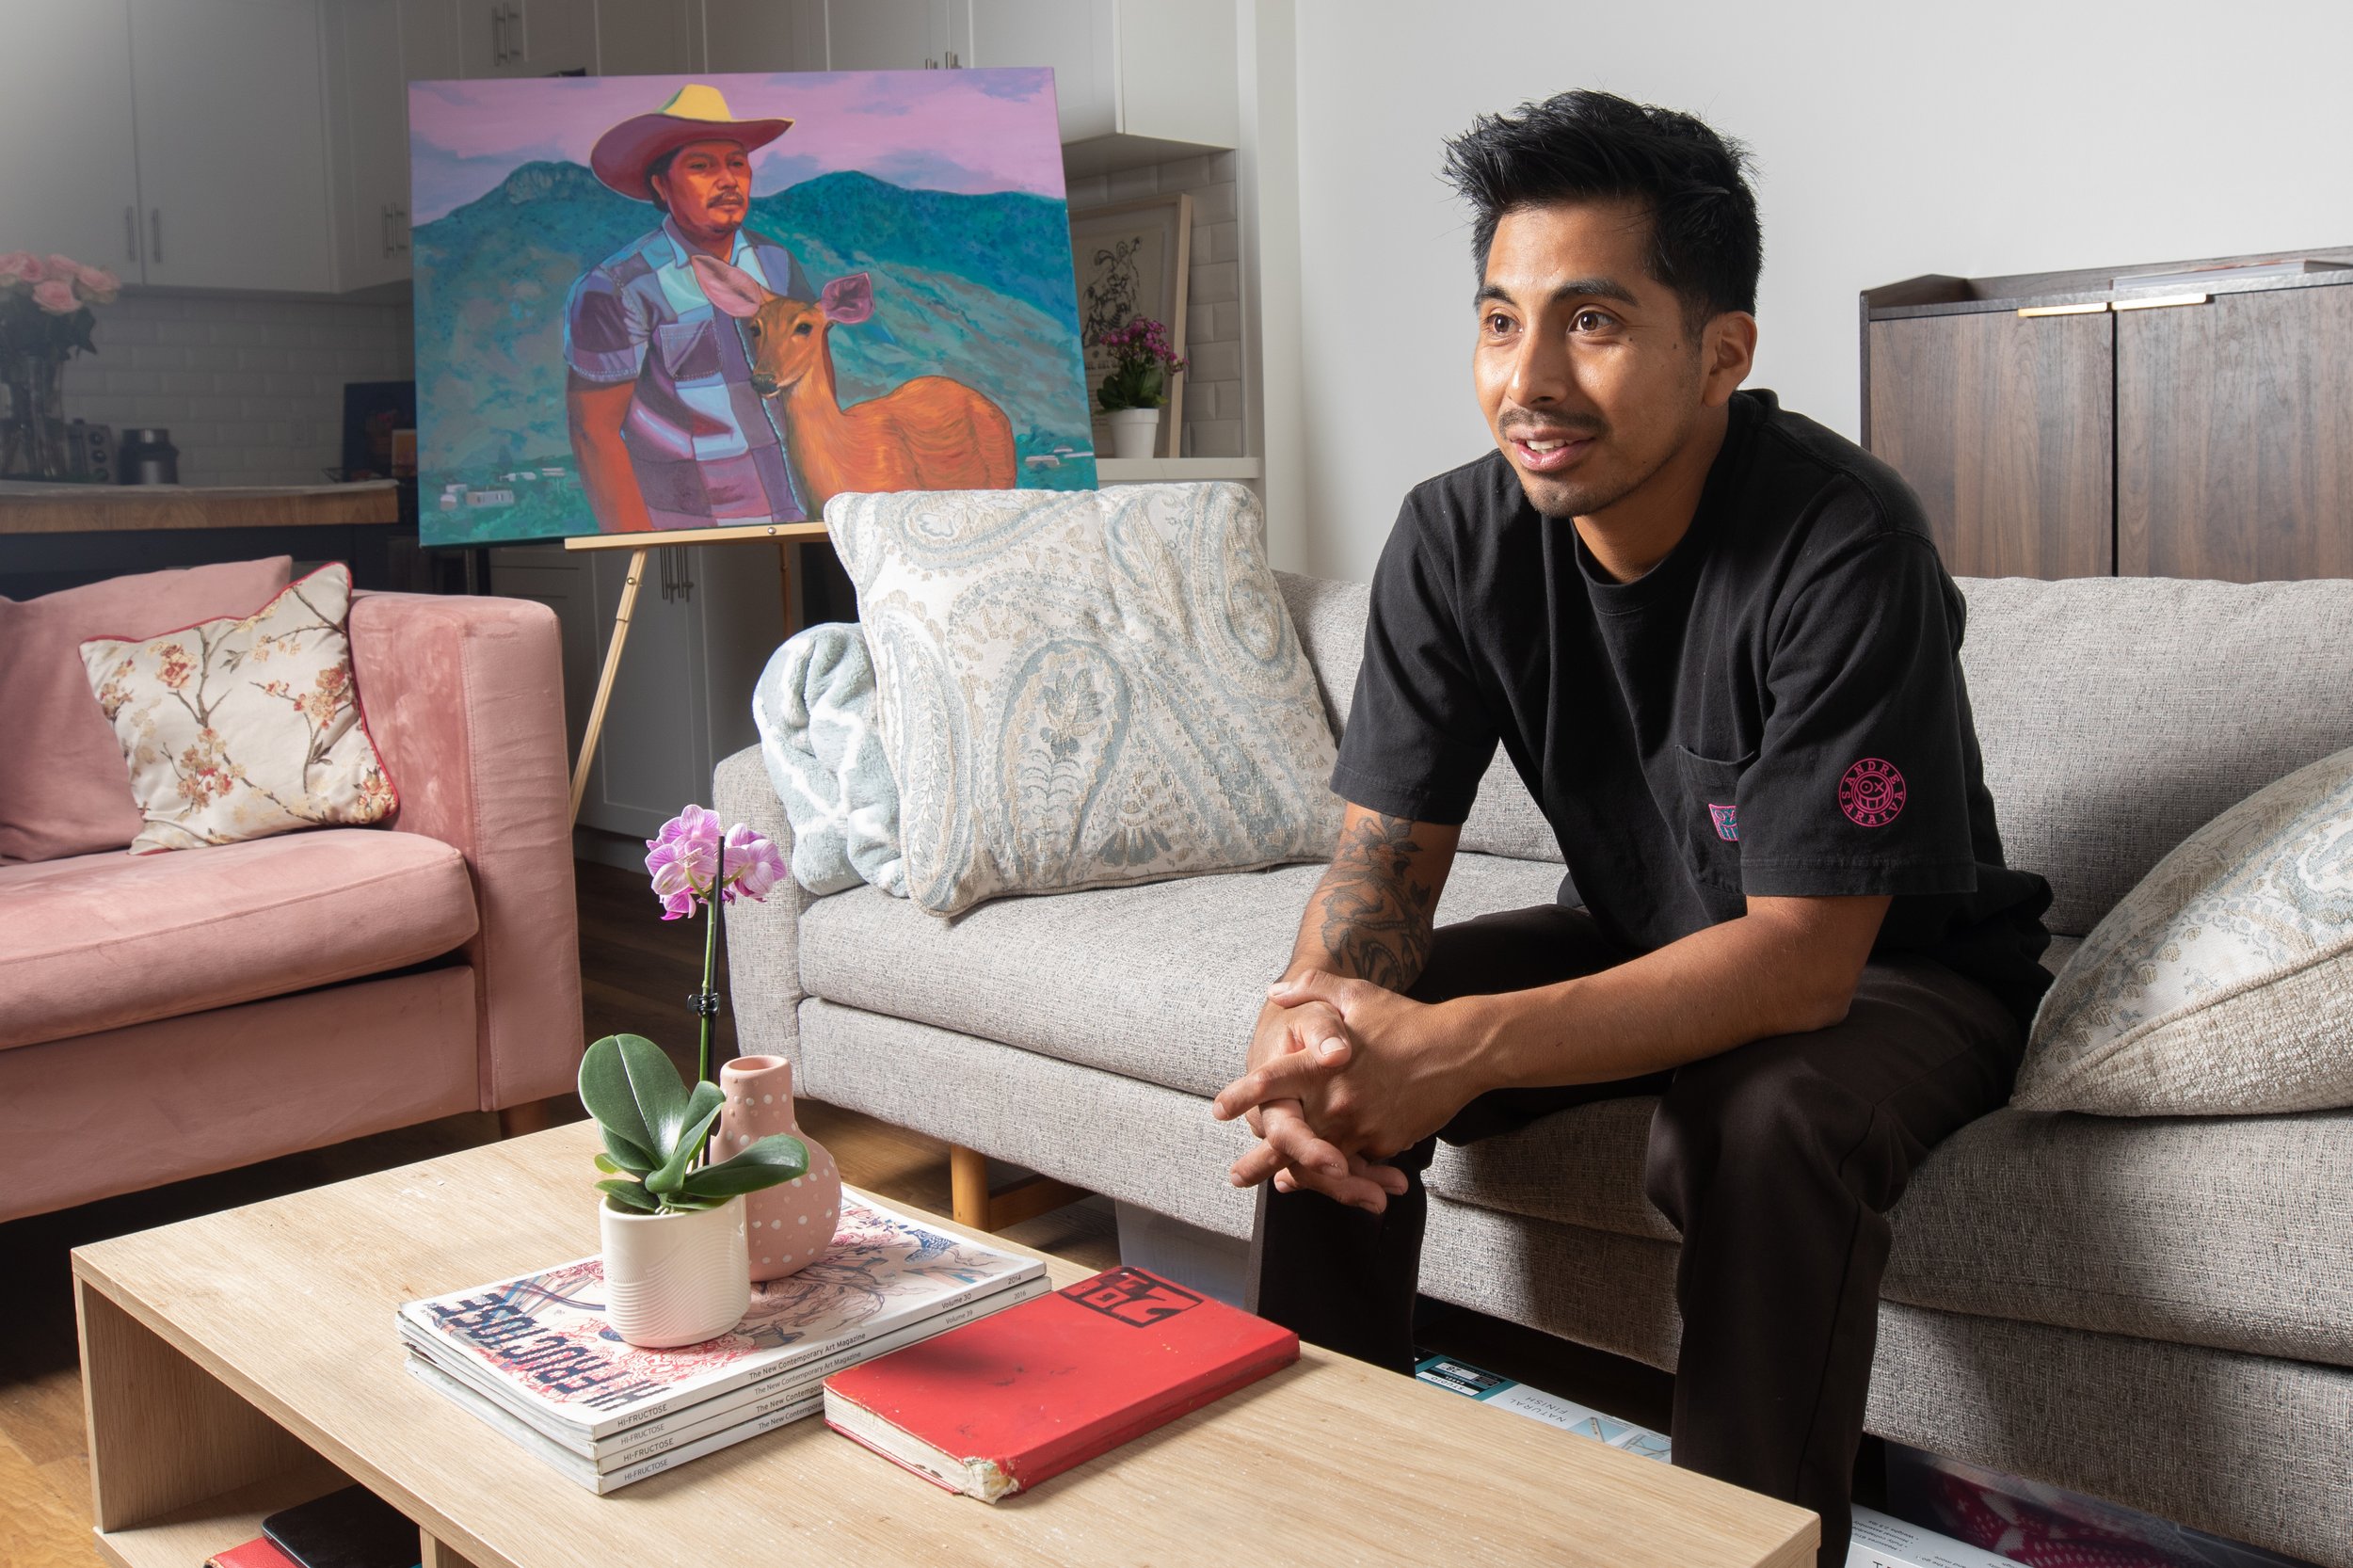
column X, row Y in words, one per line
column 1890, row 140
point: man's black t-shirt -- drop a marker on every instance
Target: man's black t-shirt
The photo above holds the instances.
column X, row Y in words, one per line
column 1775, row 708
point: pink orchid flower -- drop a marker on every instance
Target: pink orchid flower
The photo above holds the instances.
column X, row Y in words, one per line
column 685, row 860
column 755, row 865
column 56, row 296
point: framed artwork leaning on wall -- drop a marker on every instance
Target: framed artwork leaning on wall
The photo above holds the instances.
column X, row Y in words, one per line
column 1132, row 260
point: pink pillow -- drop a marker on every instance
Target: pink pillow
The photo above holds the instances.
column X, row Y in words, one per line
column 64, row 787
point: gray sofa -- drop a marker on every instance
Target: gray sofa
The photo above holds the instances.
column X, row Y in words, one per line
column 2156, row 1312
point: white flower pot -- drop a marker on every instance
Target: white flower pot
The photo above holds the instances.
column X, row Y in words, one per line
column 675, row 1279
column 1133, row 431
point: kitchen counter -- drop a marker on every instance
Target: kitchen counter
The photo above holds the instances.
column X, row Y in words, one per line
column 29, row 506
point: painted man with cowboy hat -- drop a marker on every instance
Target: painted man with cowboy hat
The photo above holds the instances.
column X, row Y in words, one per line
column 665, row 423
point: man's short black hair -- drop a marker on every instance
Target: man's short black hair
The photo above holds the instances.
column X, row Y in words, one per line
column 1586, row 146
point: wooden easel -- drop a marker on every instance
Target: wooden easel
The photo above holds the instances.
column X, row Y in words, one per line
column 783, row 534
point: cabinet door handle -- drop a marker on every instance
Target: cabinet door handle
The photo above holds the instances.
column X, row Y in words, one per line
column 400, row 235
column 384, row 227
column 155, row 234
column 2158, row 302
column 131, row 234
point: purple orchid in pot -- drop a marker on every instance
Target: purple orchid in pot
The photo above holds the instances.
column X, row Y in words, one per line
column 677, row 1264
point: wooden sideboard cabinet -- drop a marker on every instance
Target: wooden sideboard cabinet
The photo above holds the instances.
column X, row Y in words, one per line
column 2114, row 421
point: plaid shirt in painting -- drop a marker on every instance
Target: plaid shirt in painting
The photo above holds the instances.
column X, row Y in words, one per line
column 706, row 447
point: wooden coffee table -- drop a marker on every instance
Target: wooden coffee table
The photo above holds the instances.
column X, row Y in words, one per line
column 241, row 1362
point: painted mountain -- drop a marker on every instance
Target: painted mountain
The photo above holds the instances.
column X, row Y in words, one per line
column 976, row 287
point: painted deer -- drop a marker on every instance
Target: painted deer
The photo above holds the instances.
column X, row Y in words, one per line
column 929, row 434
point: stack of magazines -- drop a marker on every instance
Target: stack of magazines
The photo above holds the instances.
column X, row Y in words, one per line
column 535, row 1357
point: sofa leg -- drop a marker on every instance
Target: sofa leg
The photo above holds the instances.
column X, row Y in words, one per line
column 515, row 1121
column 972, row 1203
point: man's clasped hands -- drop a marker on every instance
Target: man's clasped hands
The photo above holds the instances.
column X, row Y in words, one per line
column 1343, row 1075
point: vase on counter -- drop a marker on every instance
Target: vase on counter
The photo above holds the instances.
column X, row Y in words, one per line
column 791, row 1224
column 34, row 445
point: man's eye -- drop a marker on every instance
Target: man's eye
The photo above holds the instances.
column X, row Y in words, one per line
column 1498, row 324
column 1592, row 321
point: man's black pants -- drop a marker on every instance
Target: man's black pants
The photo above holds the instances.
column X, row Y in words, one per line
column 1778, row 1160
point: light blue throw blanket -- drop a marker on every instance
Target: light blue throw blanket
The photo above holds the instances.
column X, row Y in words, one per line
column 815, row 709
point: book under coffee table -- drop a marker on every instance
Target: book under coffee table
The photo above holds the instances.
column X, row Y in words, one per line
column 245, row 1361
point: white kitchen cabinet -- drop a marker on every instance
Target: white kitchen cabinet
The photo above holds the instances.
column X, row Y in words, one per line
column 650, row 38
column 70, row 181
column 887, row 35
column 374, row 49
column 1135, row 81
column 1076, row 38
column 527, row 38
column 764, row 35
column 230, row 120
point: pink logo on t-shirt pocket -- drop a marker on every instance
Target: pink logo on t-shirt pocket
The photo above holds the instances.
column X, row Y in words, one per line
column 1727, row 819
column 1872, row 794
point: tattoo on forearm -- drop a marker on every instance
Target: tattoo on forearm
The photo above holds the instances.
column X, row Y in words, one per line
column 1375, row 919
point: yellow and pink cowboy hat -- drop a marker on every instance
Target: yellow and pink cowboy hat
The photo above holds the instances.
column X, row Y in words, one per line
column 696, row 113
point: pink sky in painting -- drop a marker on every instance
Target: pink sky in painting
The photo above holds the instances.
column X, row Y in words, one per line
column 970, row 131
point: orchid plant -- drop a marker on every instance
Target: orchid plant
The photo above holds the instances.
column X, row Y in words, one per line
column 693, row 864
column 656, row 1130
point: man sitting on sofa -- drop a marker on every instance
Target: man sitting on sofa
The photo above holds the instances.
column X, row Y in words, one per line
column 1715, row 640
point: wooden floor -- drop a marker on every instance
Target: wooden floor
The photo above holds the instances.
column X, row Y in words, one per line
column 637, row 972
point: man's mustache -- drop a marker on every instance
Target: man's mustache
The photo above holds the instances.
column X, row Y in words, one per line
column 1583, row 425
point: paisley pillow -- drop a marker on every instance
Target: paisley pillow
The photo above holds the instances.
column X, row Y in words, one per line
column 1084, row 690
column 2223, row 984
column 243, row 726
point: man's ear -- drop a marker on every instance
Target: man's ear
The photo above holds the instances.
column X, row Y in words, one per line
column 1727, row 354
column 848, row 301
column 731, row 288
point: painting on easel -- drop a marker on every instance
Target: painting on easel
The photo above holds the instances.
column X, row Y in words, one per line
column 655, row 304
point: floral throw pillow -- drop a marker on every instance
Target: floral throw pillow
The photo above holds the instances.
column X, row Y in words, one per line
column 237, row 728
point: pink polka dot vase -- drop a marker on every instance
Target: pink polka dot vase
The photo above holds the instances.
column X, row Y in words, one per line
column 792, row 1224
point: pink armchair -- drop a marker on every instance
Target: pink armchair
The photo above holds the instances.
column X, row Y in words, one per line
column 165, row 1015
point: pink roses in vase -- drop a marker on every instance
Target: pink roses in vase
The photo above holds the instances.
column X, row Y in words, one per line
column 45, row 320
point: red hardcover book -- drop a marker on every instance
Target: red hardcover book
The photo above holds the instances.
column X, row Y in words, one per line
column 259, row 1552
column 998, row 1405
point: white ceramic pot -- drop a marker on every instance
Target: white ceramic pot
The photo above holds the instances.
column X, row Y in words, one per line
column 675, row 1279
column 1132, row 430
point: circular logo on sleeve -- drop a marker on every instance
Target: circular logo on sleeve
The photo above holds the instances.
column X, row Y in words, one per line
column 1872, row 794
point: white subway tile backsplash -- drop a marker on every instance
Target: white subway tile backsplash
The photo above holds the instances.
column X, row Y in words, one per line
column 1214, row 362
column 1219, row 437
column 251, row 389
column 1216, row 204
column 1130, row 185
